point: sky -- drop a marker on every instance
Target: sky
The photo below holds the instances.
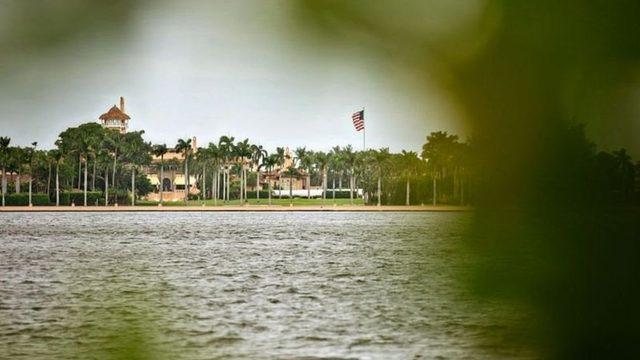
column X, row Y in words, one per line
column 197, row 69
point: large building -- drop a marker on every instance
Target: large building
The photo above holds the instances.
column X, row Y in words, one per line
column 173, row 181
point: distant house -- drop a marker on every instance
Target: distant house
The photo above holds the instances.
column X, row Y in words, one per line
column 173, row 182
column 116, row 118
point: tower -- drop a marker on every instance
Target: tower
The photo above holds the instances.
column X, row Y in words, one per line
column 116, row 118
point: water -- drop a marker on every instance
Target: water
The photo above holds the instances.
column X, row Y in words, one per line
column 236, row 285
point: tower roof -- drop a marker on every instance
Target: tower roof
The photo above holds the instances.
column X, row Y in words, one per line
column 114, row 114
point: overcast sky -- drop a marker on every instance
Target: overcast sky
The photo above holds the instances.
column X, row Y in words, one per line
column 191, row 69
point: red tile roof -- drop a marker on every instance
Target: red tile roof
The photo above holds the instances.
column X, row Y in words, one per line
column 114, row 114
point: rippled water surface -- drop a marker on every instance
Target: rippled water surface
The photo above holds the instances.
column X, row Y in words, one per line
column 237, row 285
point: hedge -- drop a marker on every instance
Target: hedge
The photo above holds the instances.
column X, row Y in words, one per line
column 340, row 194
column 264, row 194
column 22, row 199
column 77, row 197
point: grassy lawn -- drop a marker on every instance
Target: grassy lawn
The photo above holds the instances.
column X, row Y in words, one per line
column 274, row 202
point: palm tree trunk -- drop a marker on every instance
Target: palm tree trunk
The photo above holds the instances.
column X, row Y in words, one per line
column 204, row 182
column 224, row 185
column 4, row 184
column 339, row 181
column 85, row 182
column 408, row 201
column 30, row 184
column 113, row 174
column 106, row 186
column 186, row 181
column 379, row 189
column 258, row 186
column 18, row 181
column 214, row 186
column 161, row 178
column 57, row 185
column 351, row 189
column 228, row 186
column 93, row 176
column 324, row 186
column 49, row 181
column 79, row 170
column 308, row 186
column 269, row 190
column 334, row 188
column 434, row 190
column 461, row 190
column 133, row 185
column 291, row 190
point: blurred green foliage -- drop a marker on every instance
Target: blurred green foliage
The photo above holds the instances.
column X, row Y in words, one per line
column 524, row 74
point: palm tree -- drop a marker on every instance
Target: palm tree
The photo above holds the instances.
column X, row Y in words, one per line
column 349, row 158
column 57, row 156
column 409, row 163
column 280, row 160
column 184, row 147
column 336, row 163
column 114, row 142
column 215, row 156
column 159, row 150
column 136, row 152
column 322, row 160
column 242, row 151
column 437, row 151
column 291, row 172
column 4, row 159
column 225, row 144
column 259, row 154
column 29, row 160
column 380, row 158
column 202, row 159
column 305, row 160
column 269, row 163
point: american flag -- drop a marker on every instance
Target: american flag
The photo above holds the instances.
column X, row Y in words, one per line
column 358, row 120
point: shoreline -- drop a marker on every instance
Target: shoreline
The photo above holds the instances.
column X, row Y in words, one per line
column 232, row 208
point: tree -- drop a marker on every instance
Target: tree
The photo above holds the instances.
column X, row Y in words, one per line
column 135, row 152
column 336, row 163
column 184, row 147
column 216, row 158
column 243, row 151
column 305, row 161
column 438, row 152
column 280, row 161
column 270, row 163
column 159, row 150
column 29, row 152
column 291, row 172
column 4, row 159
column 225, row 144
column 259, row 154
column 349, row 158
column 57, row 156
column 322, row 161
column 409, row 164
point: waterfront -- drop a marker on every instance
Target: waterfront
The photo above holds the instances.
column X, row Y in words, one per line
column 239, row 285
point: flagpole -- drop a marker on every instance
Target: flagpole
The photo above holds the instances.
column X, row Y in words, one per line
column 364, row 131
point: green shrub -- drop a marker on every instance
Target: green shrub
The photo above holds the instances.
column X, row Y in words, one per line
column 22, row 199
column 264, row 194
column 120, row 197
column 339, row 194
column 77, row 197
